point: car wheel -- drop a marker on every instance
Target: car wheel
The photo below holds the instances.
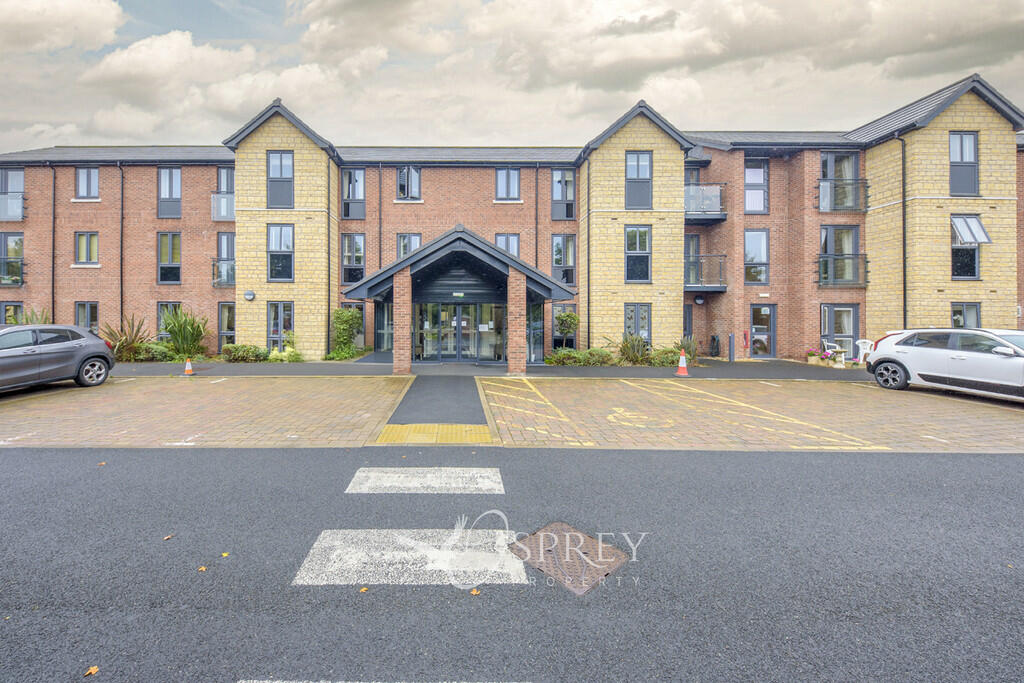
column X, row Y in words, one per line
column 891, row 375
column 92, row 373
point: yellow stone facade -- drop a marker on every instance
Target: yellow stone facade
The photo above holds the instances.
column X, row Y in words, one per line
column 930, row 286
column 315, row 218
column 603, row 217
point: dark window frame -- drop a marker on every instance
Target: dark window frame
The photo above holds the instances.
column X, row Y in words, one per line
column 766, row 264
column 504, row 194
column 92, row 182
column 957, row 246
column 563, row 209
column 555, row 337
column 160, row 306
column 648, row 252
column 5, row 254
column 93, row 320
column 960, row 164
column 558, row 270
column 91, row 259
column 963, row 304
column 353, row 208
column 281, row 180
column 225, row 254
column 409, row 171
column 346, row 275
column 20, row 315
column 637, row 306
column 639, row 181
column 398, row 243
column 222, row 334
column 830, row 335
column 508, row 237
column 160, row 265
column 169, row 206
column 226, row 182
column 757, row 187
column 278, row 341
column 280, row 252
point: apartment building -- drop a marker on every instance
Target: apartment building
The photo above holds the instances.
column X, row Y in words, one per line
column 784, row 240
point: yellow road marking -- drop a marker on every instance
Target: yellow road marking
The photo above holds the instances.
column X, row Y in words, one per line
column 502, row 385
column 529, row 412
column 517, row 398
column 434, row 433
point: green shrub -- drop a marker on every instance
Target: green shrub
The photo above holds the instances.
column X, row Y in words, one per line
column 577, row 357
column 153, row 352
column 566, row 324
column 345, row 325
column 665, row 358
column 344, row 353
column 633, row 349
column 288, row 355
column 690, row 345
column 128, row 339
column 185, row 332
column 29, row 317
column 244, row 353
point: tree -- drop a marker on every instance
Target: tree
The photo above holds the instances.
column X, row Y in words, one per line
column 566, row 323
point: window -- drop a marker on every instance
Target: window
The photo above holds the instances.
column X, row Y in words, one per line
column 353, row 258
column 12, row 194
column 755, row 257
column 839, row 326
column 563, row 194
column 16, row 339
column 50, row 337
column 280, row 180
column 163, row 308
column 87, row 247
column 169, row 258
column 968, row 233
column 506, row 183
column 966, row 314
column 638, row 321
column 691, row 176
column 638, row 180
column 353, row 193
column 168, row 203
column 280, row 253
column 755, row 186
column 963, row 163
column 223, row 200
column 224, row 266
column 87, row 183
column 638, row 253
column 12, row 253
column 838, row 261
column 225, row 180
column 568, row 340
column 931, row 340
column 11, row 312
column 279, row 323
column 976, row 343
column 563, row 258
column 509, row 242
column 839, row 189
column 225, row 324
column 407, row 243
column 87, row 315
column 408, row 182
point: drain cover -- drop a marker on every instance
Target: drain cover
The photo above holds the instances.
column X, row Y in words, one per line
column 577, row 561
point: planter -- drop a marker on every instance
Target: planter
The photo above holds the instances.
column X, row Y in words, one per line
column 815, row 360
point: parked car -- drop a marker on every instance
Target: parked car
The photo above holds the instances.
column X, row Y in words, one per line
column 977, row 361
column 38, row 354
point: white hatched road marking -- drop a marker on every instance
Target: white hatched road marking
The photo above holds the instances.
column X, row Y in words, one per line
column 413, row 557
column 426, row 480
column 222, row 379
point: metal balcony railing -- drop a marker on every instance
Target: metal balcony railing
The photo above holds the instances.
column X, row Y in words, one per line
column 704, row 198
column 842, row 195
column 12, row 272
column 223, row 272
column 842, row 270
column 222, row 206
column 12, row 206
column 704, row 270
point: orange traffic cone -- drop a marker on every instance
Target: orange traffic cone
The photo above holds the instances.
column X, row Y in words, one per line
column 188, row 366
column 681, row 370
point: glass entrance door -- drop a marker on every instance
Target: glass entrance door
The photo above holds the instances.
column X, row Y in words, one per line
column 449, row 346
column 460, row 332
column 468, row 333
column 762, row 330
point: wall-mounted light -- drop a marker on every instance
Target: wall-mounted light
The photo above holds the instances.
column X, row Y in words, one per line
column 699, row 299
column 249, row 295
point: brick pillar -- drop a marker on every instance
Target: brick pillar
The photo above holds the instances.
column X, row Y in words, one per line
column 516, row 310
column 402, row 284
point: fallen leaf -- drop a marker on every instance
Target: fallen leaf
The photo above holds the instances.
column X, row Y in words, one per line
column 474, row 592
column 168, row 537
column 101, row 464
column 224, row 554
column 91, row 671
column 363, row 589
column 202, row 569
column 1010, row 566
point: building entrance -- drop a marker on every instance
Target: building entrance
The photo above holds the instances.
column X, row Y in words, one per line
column 459, row 332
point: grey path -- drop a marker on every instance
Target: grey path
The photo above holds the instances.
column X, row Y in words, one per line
column 440, row 400
column 756, row 566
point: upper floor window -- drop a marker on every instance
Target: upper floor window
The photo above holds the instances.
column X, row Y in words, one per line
column 967, row 234
column 509, row 242
column 407, row 243
column 223, row 200
column 87, row 183
column 691, row 175
column 280, row 180
column 12, row 193
column 353, row 257
column 839, row 187
column 168, row 203
column 506, row 183
column 224, row 264
column 755, row 257
column 563, row 258
column 408, row 182
column 225, row 180
column 563, row 194
column 638, row 253
column 12, row 254
column 87, row 247
column 280, row 253
column 963, row 163
column 638, row 180
column 168, row 258
column 353, row 193
column 755, row 186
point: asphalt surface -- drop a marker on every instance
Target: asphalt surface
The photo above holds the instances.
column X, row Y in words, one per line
column 756, row 566
column 440, row 400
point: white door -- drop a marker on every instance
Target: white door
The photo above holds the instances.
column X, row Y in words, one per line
column 972, row 365
column 926, row 355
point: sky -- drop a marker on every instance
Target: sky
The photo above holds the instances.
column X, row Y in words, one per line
column 482, row 72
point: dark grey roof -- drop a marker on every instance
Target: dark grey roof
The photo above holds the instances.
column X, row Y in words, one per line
column 921, row 112
column 733, row 139
column 641, row 108
column 271, row 109
column 163, row 154
column 460, row 155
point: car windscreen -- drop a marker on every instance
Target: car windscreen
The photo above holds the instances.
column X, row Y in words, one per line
column 1015, row 339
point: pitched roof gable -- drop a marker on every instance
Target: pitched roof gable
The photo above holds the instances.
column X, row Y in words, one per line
column 640, row 108
column 271, row 109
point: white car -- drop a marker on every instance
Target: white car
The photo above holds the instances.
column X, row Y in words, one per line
column 977, row 361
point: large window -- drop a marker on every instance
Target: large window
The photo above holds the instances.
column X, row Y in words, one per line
column 280, row 180
column 353, row 193
column 408, row 182
column 839, row 261
column 966, row 314
column 839, row 326
column 280, row 253
column 755, row 257
column 12, row 194
column 223, row 200
column 638, row 321
column 638, row 180
column 407, row 243
column 967, row 234
column 168, row 203
column 755, row 186
column 163, row 308
column 562, row 340
column 279, row 323
column 224, row 266
column 506, row 183
column 12, row 255
column 638, row 253
column 168, row 258
column 963, row 163
column 563, row 258
column 353, row 258
column 509, row 242
column 11, row 312
column 87, row 183
column 87, row 247
column 839, row 188
column 87, row 315
column 225, row 324
column 563, row 194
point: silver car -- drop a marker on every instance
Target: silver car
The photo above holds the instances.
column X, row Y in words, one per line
column 38, row 354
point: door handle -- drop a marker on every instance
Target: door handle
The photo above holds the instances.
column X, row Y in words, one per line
column 958, row 357
column 28, row 351
column 79, row 345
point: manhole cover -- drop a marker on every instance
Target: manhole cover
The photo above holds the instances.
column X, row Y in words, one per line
column 577, row 561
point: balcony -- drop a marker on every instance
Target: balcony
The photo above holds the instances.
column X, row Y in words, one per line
column 842, row 270
column 842, row 195
column 223, row 272
column 12, row 206
column 12, row 272
column 705, row 203
column 704, row 273
column 222, row 206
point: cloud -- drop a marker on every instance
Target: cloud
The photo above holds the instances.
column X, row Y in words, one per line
column 49, row 25
column 125, row 121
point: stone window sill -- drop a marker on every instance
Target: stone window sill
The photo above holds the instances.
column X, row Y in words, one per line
column 85, row 265
column 508, row 201
column 408, row 201
column 85, row 200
